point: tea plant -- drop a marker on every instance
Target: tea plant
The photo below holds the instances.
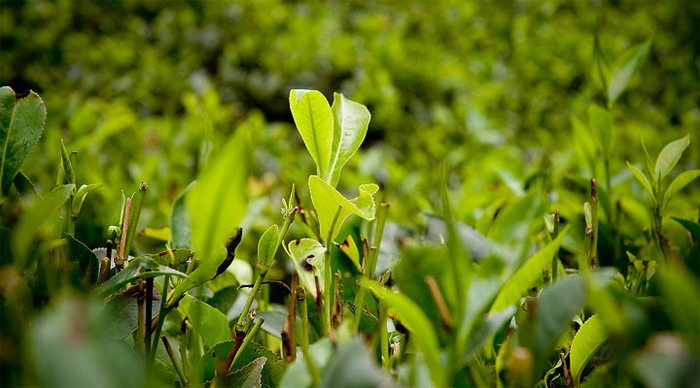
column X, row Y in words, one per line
column 538, row 297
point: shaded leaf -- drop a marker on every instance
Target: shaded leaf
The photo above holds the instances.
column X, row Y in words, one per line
column 416, row 322
column 80, row 195
column 518, row 284
column 209, row 322
column 600, row 122
column 21, row 125
column 487, row 328
column 589, row 338
column 250, row 376
column 84, row 263
column 142, row 268
column 681, row 293
column 353, row 366
column 307, row 255
column 180, row 232
column 623, row 74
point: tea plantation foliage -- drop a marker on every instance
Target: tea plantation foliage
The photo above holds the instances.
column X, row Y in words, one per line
column 471, row 193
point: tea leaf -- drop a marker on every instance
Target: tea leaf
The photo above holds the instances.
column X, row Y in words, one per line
column 600, row 122
column 624, row 73
column 681, row 293
column 314, row 120
column 328, row 200
column 589, row 338
column 351, row 120
column 250, row 376
column 219, row 198
column 669, row 156
column 80, row 196
column 307, row 255
column 678, row 183
column 180, row 231
column 21, row 125
column 518, row 284
column 642, row 179
column 140, row 268
column 267, row 247
column 209, row 322
column 416, row 322
column 353, row 366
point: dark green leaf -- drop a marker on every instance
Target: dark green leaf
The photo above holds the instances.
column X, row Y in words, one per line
column 180, row 222
column 21, row 125
column 138, row 268
column 353, row 366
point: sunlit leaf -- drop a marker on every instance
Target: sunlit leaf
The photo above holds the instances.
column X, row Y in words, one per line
column 641, row 178
column 328, row 202
column 351, row 120
column 669, row 156
column 267, row 246
column 350, row 250
column 314, row 120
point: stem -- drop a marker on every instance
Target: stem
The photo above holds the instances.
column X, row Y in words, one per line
column 328, row 278
column 377, row 241
column 288, row 336
column 288, row 218
column 171, row 354
column 593, row 258
column 384, row 336
column 141, row 318
column 304, row 338
column 555, row 259
column 359, row 302
column 149, row 314
column 161, row 317
column 246, row 341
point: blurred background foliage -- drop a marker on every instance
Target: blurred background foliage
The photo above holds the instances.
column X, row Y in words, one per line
column 499, row 91
column 144, row 91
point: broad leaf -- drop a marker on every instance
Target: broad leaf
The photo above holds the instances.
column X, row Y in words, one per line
column 416, row 322
column 669, row 156
column 589, row 338
column 678, row 183
column 217, row 203
column 314, row 121
column 556, row 307
column 209, row 322
column 351, row 120
column 518, row 284
column 328, row 201
column 83, row 263
column 350, row 250
column 272, row 370
column 250, row 376
column 642, row 179
column 21, row 125
column 307, row 255
column 623, row 74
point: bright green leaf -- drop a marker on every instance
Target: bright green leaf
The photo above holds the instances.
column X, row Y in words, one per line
column 518, row 284
column 589, row 338
column 218, row 202
column 267, row 246
column 413, row 318
column 314, row 120
column 669, row 156
column 328, row 200
column 678, row 183
column 350, row 250
column 21, row 125
column 642, row 179
column 209, row 322
column 351, row 120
